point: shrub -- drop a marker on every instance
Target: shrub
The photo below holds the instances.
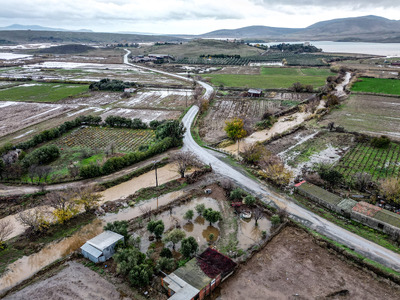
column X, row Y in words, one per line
column 330, row 175
column 90, row 171
column 249, row 200
column 120, row 227
column 156, row 227
column 165, row 252
column 380, row 142
column 237, row 194
column 42, row 155
column 200, row 208
column 275, row 220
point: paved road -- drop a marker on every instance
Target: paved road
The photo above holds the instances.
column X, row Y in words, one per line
column 296, row 212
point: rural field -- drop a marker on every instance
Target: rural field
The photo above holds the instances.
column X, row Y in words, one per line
column 272, row 78
column 373, row 115
column 273, row 273
column 380, row 163
column 42, row 92
column 146, row 115
column 377, row 86
column 17, row 115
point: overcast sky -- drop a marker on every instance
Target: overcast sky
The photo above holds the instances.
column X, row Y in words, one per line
column 185, row 16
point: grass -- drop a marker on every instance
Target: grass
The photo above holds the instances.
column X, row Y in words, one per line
column 377, row 86
column 42, row 92
column 272, row 78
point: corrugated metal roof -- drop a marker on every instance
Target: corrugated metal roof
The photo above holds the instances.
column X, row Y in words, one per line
column 91, row 250
column 105, row 239
column 254, row 91
column 183, row 290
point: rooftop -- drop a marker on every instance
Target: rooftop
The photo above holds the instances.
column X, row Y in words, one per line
column 182, row 289
column 388, row 217
column 320, row 193
column 254, row 91
column 104, row 240
column 366, row 209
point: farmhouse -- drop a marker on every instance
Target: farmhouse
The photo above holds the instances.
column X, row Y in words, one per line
column 199, row 276
column 254, row 93
column 101, row 247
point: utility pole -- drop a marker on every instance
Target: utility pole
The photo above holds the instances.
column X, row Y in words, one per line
column 155, row 168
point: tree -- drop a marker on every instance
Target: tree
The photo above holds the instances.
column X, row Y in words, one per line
column 249, row 200
column 234, row 130
column 200, row 208
column 330, row 175
column 34, row 219
column 88, row 197
column 257, row 213
column 189, row 247
column 165, row 252
column 175, row 236
column 63, row 204
column 173, row 129
column 166, row 264
column 390, row 188
column 146, row 211
column 212, row 216
column 189, row 215
column 184, row 160
column 237, row 194
column 253, row 153
column 156, row 227
column 141, row 275
column 120, row 227
column 362, row 181
column 6, row 228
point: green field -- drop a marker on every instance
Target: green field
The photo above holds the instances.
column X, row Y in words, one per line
column 42, row 92
column 380, row 163
column 273, row 78
column 377, row 85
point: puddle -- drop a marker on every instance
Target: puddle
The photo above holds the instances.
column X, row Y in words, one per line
column 249, row 233
column 27, row 266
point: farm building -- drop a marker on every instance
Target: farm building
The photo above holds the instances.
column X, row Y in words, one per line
column 199, row 276
column 254, row 93
column 101, row 247
column 363, row 212
column 130, row 90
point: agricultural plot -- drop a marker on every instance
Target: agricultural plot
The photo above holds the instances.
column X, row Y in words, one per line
column 377, row 86
column 146, row 115
column 212, row 127
column 380, row 163
column 41, row 92
column 16, row 115
column 125, row 140
column 159, row 98
column 375, row 115
column 272, row 78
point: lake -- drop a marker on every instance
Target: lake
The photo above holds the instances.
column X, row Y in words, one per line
column 384, row 49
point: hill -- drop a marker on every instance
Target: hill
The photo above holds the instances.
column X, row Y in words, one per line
column 67, row 49
column 33, row 36
column 197, row 47
column 39, row 28
column 366, row 28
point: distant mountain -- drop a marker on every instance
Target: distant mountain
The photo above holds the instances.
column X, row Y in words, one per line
column 367, row 28
column 39, row 28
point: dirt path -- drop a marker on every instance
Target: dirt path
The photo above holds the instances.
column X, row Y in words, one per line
column 75, row 282
column 8, row 190
column 293, row 266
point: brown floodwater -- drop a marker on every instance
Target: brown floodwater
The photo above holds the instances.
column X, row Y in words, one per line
column 250, row 234
column 27, row 266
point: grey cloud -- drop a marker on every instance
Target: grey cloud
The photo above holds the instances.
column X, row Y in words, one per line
column 356, row 4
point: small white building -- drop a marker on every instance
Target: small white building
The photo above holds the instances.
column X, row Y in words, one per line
column 101, row 247
column 129, row 90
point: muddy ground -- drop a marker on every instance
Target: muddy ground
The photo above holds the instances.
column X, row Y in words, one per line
column 293, row 266
column 75, row 282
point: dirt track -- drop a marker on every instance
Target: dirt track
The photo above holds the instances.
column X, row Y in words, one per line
column 75, row 282
column 293, row 266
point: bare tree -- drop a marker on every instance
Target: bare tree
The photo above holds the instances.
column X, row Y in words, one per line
column 184, row 160
column 33, row 219
column 61, row 199
column 146, row 211
column 73, row 170
column 6, row 228
column 258, row 214
column 88, row 197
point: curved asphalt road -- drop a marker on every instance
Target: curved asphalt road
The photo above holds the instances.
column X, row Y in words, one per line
column 296, row 212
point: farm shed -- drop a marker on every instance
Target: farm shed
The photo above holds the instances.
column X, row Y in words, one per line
column 254, row 93
column 199, row 276
column 101, row 247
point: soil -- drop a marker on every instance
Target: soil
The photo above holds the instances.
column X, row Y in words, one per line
column 293, row 266
column 74, row 282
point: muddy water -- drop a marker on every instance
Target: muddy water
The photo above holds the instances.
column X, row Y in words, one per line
column 27, row 266
column 340, row 87
column 283, row 124
column 165, row 174
column 250, row 234
column 197, row 228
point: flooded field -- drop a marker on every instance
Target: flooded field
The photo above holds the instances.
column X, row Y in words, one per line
column 146, row 115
